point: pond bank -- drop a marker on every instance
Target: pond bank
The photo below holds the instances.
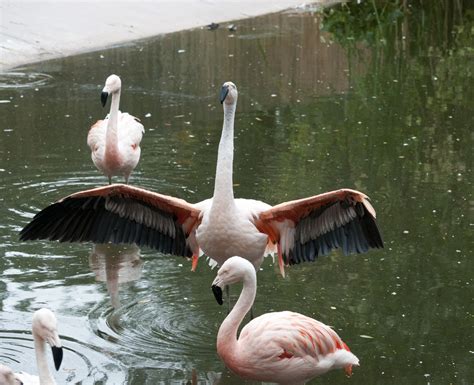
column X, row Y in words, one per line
column 42, row 30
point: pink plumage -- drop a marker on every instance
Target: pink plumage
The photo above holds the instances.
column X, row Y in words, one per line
column 220, row 227
column 115, row 141
column 283, row 347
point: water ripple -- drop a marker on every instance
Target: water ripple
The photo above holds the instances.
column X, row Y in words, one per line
column 16, row 80
column 163, row 325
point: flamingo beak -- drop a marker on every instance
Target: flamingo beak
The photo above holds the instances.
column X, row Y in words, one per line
column 217, row 294
column 57, row 356
column 103, row 98
column 224, row 92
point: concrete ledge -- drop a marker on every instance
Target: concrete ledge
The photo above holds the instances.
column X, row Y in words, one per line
column 37, row 30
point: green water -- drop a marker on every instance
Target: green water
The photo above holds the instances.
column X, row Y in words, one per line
column 384, row 107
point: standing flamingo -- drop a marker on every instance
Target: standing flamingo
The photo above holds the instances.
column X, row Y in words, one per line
column 284, row 347
column 44, row 329
column 115, row 141
column 221, row 226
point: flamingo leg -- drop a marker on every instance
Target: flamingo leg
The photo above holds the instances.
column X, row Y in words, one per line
column 195, row 260
column 280, row 260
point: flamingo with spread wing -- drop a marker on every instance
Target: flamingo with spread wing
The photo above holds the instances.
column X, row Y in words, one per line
column 220, row 227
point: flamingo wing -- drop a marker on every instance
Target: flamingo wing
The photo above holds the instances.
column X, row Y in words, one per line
column 96, row 135
column 130, row 129
column 288, row 335
column 307, row 228
column 119, row 214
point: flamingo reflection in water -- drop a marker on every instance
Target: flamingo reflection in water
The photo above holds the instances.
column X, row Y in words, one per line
column 220, row 227
column 208, row 378
column 284, row 347
column 115, row 265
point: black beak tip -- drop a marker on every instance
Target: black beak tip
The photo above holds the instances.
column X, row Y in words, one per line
column 217, row 294
column 224, row 92
column 103, row 98
column 57, row 356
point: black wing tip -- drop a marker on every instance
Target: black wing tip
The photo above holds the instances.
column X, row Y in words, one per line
column 57, row 356
column 217, row 294
column 355, row 237
column 86, row 219
column 26, row 234
column 372, row 230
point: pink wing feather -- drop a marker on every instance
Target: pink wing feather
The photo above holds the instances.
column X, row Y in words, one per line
column 307, row 228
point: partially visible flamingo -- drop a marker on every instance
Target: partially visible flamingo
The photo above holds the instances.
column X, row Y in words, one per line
column 44, row 330
column 7, row 377
column 222, row 226
column 284, row 347
column 115, row 141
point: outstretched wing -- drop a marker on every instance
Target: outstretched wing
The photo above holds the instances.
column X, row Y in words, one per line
column 119, row 214
column 307, row 228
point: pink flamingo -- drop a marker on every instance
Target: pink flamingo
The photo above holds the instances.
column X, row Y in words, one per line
column 115, row 141
column 44, row 330
column 7, row 377
column 284, row 347
column 222, row 226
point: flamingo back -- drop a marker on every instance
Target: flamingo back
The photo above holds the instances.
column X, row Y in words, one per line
column 290, row 345
column 295, row 334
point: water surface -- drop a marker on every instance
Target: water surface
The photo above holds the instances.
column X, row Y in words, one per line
column 384, row 108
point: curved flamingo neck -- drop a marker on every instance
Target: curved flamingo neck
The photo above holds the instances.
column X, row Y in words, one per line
column 45, row 377
column 227, row 335
column 111, row 139
column 223, row 189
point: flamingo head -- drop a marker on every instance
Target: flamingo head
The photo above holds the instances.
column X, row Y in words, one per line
column 233, row 270
column 7, row 377
column 228, row 93
column 45, row 328
column 112, row 84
